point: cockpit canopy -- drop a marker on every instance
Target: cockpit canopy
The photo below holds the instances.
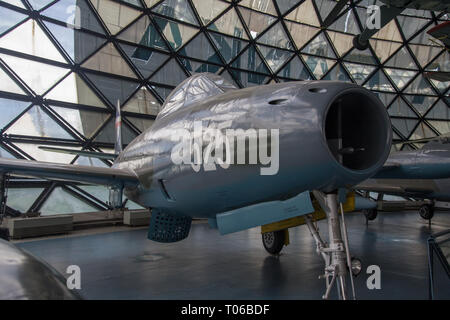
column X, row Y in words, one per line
column 194, row 89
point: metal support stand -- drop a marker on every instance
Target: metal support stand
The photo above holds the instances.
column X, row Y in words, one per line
column 3, row 196
column 335, row 254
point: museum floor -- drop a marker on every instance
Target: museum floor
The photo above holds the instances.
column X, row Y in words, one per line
column 125, row 265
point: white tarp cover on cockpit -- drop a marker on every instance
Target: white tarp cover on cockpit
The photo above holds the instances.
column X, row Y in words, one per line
column 194, row 89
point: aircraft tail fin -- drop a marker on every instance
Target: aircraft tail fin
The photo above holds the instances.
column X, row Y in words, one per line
column 118, row 126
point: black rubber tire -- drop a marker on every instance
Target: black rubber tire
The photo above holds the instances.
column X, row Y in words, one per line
column 371, row 214
column 273, row 241
column 358, row 45
column 426, row 211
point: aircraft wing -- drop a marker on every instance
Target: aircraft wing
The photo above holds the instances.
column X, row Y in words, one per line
column 441, row 32
column 69, row 172
column 412, row 188
column 441, row 76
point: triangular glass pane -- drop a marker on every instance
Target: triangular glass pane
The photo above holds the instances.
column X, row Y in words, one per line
column 116, row 16
column 346, row 23
column 318, row 66
column 342, row 42
column 389, row 32
column 285, row 5
column 319, row 46
column 8, row 85
column 440, row 85
column 143, row 32
column 399, row 108
column 136, row 3
column 442, row 127
column 200, row 48
column 143, row 102
column 386, row 98
column 424, row 54
column 177, row 34
column 400, row 77
column 16, row 3
column 9, row 109
column 145, row 60
column 89, row 161
column 62, row 202
column 417, row 13
column 74, row 13
column 141, row 123
column 176, row 9
column 422, row 131
column 379, row 82
column 35, row 122
column 295, row 70
column 276, row 37
column 402, row 59
column 411, row 25
column 22, row 199
column 228, row 47
column 209, row 9
column 170, row 74
column 39, row 4
column 163, row 92
column 197, row 67
column 404, row 126
column 151, row 3
column 10, row 18
column 227, row 76
column 108, row 133
column 420, row 102
column 249, row 79
column 359, row 56
column 275, row 58
column 33, row 41
column 229, row 24
column 78, row 45
column 255, row 21
column 263, row 6
column 442, row 63
column 5, row 154
column 338, row 73
column 424, row 38
column 439, row 111
column 250, row 60
column 324, row 7
column 86, row 122
column 359, row 72
column 304, row 13
column 109, row 60
column 38, row 76
column 384, row 49
column 74, row 90
column 112, row 88
column 301, row 33
column 420, row 86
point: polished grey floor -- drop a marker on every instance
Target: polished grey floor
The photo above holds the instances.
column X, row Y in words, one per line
column 125, row 265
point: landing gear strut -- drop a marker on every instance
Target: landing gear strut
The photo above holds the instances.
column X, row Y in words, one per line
column 336, row 255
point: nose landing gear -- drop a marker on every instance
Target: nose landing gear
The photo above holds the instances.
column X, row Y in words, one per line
column 336, row 255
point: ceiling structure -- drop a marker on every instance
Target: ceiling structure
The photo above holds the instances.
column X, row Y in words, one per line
column 64, row 65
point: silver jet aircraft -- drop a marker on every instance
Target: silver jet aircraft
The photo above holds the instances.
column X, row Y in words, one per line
column 420, row 174
column 244, row 158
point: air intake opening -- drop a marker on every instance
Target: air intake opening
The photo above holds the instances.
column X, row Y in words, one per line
column 355, row 130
